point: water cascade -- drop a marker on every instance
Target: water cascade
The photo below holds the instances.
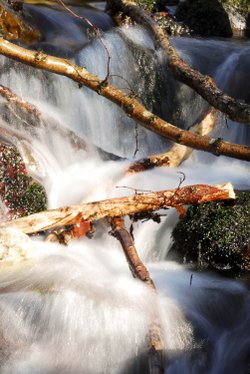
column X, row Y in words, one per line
column 77, row 309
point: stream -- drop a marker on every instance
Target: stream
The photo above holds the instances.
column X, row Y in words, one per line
column 77, row 309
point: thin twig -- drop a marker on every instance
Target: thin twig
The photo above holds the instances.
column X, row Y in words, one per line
column 97, row 33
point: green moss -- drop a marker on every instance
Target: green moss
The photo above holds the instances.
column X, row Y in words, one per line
column 150, row 5
column 20, row 194
column 243, row 6
column 216, row 235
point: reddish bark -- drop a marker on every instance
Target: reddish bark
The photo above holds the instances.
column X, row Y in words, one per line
column 117, row 207
column 139, row 270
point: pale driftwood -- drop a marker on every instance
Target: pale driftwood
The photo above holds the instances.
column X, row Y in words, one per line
column 202, row 84
column 129, row 104
column 118, row 207
column 139, row 270
column 178, row 153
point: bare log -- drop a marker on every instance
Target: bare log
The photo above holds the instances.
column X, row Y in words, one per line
column 204, row 85
column 139, row 270
column 129, row 104
column 178, row 153
column 118, row 207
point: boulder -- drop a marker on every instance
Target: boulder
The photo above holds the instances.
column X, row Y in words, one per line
column 215, row 236
column 204, row 18
column 20, row 195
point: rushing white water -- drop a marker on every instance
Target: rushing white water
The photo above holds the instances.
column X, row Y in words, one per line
column 77, row 309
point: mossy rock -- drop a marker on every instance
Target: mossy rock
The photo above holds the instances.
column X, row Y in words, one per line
column 242, row 6
column 20, row 194
column 215, row 236
column 205, row 18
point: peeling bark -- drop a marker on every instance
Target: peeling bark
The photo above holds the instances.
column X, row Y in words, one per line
column 178, row 153
column 117, row 207
column 204, row 85
column 129, row 104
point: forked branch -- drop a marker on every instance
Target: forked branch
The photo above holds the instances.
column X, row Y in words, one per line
column 129, row 104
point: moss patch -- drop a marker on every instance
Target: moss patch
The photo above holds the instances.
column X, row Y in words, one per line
column 215, row 235
column 20, row 194
column 242, row 6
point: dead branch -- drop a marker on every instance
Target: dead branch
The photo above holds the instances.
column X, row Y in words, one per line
column 202, row 84
column 178, row 153
column 29, row 115
column 129, row 104
column 13, row 98
column 139, row 270
column 118, row 207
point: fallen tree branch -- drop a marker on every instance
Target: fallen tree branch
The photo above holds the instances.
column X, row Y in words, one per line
column 13, row 98
column 139, row 270
column 202, row 84
column 29, row 115
column 129, row 104
column 178, row 153
column 122, row 206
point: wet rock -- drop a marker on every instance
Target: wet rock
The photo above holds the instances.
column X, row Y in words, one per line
column 20, row 195
column 16, row 5
column 215, row 236
column 13, row 26
column 238, row 14
column 204, row 18
column 170, row 25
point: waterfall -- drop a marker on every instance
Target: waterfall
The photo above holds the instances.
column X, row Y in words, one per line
column 77, row 309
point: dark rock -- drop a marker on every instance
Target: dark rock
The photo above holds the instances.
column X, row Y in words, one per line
column 205, row 18
column 169, row 24
column 16, row 5
column 215, row 236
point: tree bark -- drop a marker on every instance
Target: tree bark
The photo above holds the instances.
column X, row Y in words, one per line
column 178, row 153
column 139, row 270
column 129, row 104
column 117, row 207
column 202, row 84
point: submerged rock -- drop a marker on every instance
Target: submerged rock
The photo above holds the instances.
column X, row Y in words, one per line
column 215, row 236
column 20, row 195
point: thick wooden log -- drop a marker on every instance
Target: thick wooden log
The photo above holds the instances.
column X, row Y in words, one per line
column 178, row 153
column 139, row 270
column 129, row 104
column 117, row 207
column 202, row 84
